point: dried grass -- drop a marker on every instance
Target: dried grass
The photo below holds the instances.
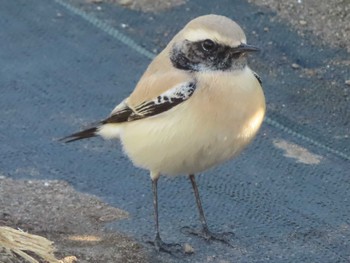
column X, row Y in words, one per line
column 21, row 244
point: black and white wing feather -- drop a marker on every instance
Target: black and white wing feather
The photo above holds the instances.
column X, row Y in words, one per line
column 164, row 101
column 257, row 77
column 158, row 105
column 124, row 113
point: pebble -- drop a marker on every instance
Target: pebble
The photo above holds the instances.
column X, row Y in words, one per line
column 125, row 2
column 188, row 249
column 295, row 66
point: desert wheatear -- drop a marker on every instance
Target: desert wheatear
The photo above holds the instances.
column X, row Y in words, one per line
column 197, row 105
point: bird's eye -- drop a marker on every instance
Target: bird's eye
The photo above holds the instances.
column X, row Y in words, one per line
column 208, row 45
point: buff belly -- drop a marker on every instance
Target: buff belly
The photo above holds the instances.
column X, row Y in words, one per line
column 172, row 144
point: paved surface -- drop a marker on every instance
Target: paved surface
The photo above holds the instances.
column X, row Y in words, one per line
column 286, row 197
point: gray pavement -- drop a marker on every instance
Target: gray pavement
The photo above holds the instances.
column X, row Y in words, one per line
column 61, row 69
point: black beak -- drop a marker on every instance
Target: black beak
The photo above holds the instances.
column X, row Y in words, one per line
column 242, row 48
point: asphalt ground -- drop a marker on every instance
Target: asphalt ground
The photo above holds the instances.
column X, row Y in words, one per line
column 66, row 64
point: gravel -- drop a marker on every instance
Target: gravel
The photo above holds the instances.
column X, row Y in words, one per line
column 329, row 21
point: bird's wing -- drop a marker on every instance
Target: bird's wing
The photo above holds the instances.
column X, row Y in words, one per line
column 159, row 90
column 159, row 104
column 257, row 77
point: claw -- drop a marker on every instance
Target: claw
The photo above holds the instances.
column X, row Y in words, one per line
column 170, row 248
column 206, row 234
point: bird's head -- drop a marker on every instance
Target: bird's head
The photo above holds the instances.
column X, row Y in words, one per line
column 209, row 43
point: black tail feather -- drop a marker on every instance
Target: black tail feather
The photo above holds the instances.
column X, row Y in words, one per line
column 80, row 135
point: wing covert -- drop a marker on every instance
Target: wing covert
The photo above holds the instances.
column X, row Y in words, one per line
column 158, row 105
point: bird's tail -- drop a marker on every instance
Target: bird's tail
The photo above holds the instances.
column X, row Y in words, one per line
column 88, row 133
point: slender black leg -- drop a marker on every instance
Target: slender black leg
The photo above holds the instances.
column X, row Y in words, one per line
column 199, row 204
column 158, row 242
column 205, row 232
column 155, row 205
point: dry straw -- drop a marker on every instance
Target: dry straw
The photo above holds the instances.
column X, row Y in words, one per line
column 17, row 243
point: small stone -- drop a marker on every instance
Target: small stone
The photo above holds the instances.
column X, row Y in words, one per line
column 125, row 2
column 188, row 249
column 266, row 29
column 303, row 22
column 347, row 82
column 295, row 66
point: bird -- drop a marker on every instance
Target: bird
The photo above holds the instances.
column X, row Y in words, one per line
column 197, row 105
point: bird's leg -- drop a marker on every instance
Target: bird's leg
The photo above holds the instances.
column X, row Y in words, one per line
column 155, row 205
column 158, row 242
column 199, row 205
column 205, row 232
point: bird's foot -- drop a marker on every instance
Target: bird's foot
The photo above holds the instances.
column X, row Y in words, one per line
column 206, row 234
column 170, row 248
